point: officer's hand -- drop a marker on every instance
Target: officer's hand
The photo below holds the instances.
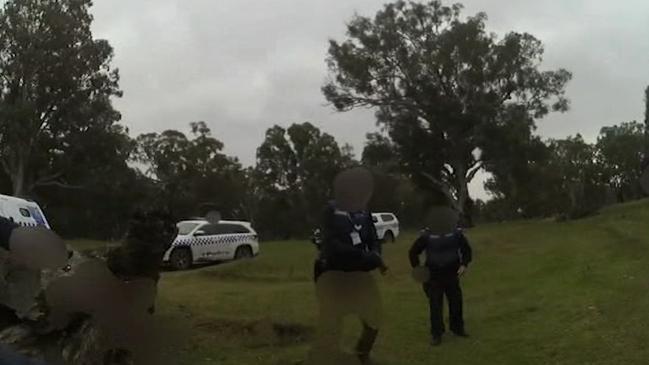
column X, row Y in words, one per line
column 461, row 270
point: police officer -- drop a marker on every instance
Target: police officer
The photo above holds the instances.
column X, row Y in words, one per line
column 349, row 251
column 448, row 255
column 350, row 242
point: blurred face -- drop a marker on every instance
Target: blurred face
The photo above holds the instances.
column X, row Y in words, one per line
column 353, row 189
column 213, row 217
column 442, row 220
column 38, row 248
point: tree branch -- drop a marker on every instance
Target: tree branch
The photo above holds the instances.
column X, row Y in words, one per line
column 5, row 166
column 446, row 168
column 47, row 179
column 473, row 171
column 61, row 185
column 443, row 188
column 45, row 117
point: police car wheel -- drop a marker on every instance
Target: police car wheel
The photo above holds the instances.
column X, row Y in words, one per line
column 389, row 237
column 181, row 259
column 243, row 252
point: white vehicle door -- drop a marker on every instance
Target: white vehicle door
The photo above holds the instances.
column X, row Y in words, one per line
column 213, row 245
column 202, row 241
column 229, row 239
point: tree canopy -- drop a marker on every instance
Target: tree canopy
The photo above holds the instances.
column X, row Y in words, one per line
column 55, row 91
column 295, row 169
column 621, row 153
column 192, row 172
column 438, row 81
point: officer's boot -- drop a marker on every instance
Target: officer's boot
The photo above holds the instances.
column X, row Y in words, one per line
column 365, row 344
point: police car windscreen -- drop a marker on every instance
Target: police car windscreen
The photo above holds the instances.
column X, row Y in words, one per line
column 186, row 228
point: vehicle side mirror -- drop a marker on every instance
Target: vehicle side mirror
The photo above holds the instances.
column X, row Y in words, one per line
column 375, row 220
column 199, row 233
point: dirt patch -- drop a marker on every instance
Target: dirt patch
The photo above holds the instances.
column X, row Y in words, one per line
column 257, row 333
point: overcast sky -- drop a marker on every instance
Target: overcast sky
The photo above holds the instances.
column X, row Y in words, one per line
column 243, row 65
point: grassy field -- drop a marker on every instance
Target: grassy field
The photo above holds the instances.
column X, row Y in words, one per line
column 538, row 292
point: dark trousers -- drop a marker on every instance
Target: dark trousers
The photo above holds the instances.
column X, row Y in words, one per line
column 435, row 289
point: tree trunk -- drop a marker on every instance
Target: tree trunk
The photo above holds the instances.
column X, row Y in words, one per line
column 18, row 180
column 464, row 202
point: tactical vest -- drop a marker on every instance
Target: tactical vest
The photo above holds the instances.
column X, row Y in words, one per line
column 443, row 251
column 344, row 224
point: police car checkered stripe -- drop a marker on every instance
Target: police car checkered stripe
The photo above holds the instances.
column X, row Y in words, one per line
column 215, row 240
column 28, row 224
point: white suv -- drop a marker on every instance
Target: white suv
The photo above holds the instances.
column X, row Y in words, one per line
column 387, row 226
column 201, row 241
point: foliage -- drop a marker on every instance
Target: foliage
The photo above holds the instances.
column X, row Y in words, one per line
column 294, row 173
column 621, row 153
column 55, row 91
column 518, row 164
column 575, row 178
column 393, row 191
column 560, row 177
column 192, row 172
column 438, row 81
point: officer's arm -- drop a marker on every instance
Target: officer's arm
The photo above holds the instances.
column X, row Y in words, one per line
column 466, row 254
column 417, row 248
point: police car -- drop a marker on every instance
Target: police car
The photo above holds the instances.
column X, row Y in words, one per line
column 387, row 226
column 201, row 241
column 23, row 212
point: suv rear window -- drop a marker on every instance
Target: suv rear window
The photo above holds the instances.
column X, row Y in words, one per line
column 387, row 217
column 225, row 228
column 234, row 228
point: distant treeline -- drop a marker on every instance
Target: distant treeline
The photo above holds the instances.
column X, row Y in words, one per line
column 285, row 192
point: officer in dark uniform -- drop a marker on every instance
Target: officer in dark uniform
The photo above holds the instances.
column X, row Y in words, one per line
column 349, row 251
column 348, row 242
column 448, row 255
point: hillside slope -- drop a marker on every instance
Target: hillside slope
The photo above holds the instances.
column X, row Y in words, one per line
column 538, row 292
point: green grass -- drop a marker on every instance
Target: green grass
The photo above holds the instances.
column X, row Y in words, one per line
column 90, row 245
column 538, row 292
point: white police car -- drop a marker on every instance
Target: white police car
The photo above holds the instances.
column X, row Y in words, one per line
column 387, row 226
column 202, row 241
column 23, row 212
